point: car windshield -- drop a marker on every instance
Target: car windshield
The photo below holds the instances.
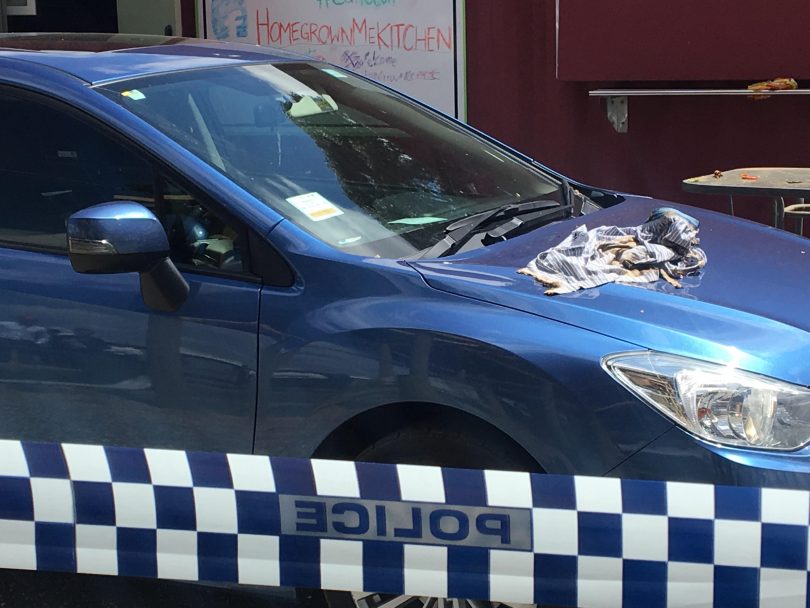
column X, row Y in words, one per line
column 358, row 166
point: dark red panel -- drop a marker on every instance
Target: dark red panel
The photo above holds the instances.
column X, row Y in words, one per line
column 683, row 39
column 188, row 18
column 513, row 93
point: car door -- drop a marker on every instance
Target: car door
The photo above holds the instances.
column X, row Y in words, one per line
column 82, row 358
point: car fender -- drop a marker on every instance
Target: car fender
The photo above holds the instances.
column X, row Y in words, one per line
column 368, row 334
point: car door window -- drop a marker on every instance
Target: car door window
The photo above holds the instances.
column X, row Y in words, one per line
column 53, row 164
column 198, row 237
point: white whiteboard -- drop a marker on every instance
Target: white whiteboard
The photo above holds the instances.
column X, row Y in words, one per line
column 416, row 46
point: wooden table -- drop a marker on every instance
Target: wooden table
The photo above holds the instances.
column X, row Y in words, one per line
column 776, row 183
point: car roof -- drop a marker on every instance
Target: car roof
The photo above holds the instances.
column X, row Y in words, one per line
column 98, row 58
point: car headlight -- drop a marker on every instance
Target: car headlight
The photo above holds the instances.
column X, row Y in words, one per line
column 715, row 402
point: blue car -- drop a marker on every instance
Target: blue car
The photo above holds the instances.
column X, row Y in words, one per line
column 229, row 248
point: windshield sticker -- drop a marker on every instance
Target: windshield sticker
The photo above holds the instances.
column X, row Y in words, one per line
column 335, row 73
column 418, row 221
column 314, row 206
column 134, row 95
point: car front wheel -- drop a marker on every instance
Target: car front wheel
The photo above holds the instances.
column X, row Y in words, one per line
column 432, row 445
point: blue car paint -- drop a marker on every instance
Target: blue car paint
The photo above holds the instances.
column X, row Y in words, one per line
column 83, row 359
column 329, row 352
column 96, row 68
column 673, row 455
column 714, row 317
column 355, row 334
column 129, row 228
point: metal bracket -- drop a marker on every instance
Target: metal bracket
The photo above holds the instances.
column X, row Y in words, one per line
column 618, row 112
column 617, row 109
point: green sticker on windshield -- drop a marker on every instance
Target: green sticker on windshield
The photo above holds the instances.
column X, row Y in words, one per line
column 335, row 73
column 419, row 221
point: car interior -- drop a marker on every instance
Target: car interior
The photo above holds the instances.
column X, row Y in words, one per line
column 53, row 165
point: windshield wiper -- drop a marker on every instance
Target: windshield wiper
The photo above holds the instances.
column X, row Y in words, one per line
column 524, row 223
column 523, row 215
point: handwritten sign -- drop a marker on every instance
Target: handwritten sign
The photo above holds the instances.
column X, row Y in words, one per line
column 412, row 45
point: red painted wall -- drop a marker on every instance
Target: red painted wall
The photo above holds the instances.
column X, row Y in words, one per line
column 188, row 18
column 682, row 40
column 514, row 93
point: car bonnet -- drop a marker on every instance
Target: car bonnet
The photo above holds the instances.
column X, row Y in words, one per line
column 748, row 307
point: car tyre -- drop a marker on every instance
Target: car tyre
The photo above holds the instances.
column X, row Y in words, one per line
column 430, row 445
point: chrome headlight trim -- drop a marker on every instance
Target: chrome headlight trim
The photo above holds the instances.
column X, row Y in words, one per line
column 718, row 404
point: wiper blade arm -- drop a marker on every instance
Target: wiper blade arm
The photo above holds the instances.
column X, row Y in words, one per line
column 517, row 225
column 452, row 243
column 461, row 231
column 473, row 222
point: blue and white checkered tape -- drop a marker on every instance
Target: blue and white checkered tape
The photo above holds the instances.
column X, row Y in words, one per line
column 400, row 529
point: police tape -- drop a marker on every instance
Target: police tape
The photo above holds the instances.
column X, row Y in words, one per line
column 399, row 529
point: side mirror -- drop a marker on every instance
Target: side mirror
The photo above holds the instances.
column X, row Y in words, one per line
column 122, row 237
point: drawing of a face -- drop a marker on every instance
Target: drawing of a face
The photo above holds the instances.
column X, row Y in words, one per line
column 229, row 19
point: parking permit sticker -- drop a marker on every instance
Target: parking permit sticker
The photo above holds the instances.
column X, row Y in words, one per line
column 314, row 206
column 134, row 94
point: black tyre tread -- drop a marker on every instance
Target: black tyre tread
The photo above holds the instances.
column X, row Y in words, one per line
column 460, row 448
column 453, row 447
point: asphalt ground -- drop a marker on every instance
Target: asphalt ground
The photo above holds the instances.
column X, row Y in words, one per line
column 20, row 589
